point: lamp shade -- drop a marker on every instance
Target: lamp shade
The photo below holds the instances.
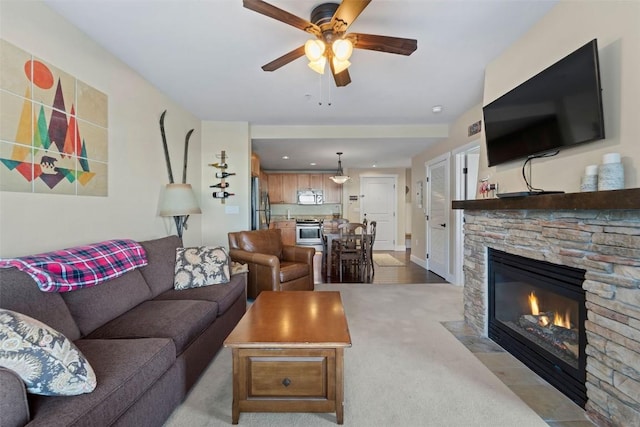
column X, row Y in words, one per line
column 179, row 199
column 319, row 65
column 342, row 49
column 314, row 49
column 340, row 179
column 340, row 66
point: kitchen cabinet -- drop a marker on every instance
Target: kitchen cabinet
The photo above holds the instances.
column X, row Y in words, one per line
column 288, row 230
column 283, row 187
column 316, row 181
column 307, row 181
column 275, row 188
column 304, row 183
column 255, row 165
column 290, row 188
column 332, row 191
column 264, row 181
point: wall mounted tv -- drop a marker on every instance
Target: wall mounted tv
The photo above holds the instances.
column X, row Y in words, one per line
column 559, row 107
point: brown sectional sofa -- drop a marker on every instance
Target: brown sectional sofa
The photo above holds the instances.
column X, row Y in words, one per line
column 146, row 342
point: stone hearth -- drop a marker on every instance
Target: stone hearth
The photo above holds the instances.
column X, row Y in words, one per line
column 605, row 243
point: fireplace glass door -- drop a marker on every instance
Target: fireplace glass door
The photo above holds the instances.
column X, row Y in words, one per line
column 537, row 313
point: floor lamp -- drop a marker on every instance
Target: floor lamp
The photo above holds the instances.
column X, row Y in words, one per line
column 179, row 201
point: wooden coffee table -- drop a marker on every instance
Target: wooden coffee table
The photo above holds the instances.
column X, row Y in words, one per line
column 288, row 354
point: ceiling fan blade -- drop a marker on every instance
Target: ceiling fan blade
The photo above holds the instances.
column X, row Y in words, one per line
column 383, row 43
column 342, row 78
column 347, row 12
column 281, row 15
column 284, row 59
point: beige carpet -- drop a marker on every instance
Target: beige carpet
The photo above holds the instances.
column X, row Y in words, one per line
column 404, row 369
column 386, row 260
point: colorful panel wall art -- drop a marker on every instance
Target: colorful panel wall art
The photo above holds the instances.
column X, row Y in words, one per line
column 53, row 129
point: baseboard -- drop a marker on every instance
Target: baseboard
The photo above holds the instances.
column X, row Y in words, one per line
column 421, row 262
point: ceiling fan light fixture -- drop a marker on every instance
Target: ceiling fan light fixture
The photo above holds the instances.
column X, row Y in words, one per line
column 342, row 49
column 340, row 66
column 314, row 49
column 329, row 23
column 319, row 65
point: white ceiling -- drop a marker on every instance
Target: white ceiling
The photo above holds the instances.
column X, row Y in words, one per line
column 206, row 55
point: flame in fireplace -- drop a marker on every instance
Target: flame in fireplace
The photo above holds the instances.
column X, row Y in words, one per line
column 533, row 302
column 559, row 320
column 543, row 319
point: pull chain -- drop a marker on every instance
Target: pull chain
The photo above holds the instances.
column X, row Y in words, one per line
column 322, row 95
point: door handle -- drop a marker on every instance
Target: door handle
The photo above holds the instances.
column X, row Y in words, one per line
column 443, row 225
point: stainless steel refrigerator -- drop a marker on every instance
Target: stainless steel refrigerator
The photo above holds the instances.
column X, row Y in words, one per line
column 260, row 206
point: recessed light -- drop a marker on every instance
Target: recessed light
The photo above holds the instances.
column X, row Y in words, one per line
column 285, row 157
column 373, row 165
column 312, row 164
column 436, row 109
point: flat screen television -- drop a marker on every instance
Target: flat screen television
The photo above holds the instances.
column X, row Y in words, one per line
column 559, row 107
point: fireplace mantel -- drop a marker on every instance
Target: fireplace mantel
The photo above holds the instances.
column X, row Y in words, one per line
column 596, row 200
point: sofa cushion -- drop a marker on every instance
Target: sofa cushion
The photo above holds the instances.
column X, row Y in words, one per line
column 292, row 270
column 161, row 258
column 124, row 368
column 48, row 363
column 95, row 306
column 18, row 292
column 261, row 241
column 225, row 295
column 201, row 266
column 180, row 320
column 13, row 405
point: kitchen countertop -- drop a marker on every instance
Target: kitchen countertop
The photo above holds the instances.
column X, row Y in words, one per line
column 284, row 217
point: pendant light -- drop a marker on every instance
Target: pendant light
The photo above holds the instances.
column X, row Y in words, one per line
column 340, row 177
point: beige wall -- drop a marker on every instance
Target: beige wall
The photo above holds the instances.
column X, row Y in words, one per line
column 31, row 223
column 217, row 218
column 569, row 25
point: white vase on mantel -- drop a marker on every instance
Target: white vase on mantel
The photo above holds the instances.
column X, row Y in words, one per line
column 589, row 180
column 611, row 173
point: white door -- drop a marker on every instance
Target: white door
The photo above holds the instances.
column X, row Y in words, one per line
column 378, row 201
column 438, row 216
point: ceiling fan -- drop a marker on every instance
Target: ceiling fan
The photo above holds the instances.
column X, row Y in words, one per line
column 329, row 23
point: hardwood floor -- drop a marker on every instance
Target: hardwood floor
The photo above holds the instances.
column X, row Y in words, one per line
column 409, row 273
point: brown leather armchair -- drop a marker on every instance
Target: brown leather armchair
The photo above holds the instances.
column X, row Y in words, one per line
column 272, row 265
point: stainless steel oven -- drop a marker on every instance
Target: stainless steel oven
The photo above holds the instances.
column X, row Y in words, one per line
column 308, row 233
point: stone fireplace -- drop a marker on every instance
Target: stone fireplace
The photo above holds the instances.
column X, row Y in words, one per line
column 537, row 313
column 598, row 233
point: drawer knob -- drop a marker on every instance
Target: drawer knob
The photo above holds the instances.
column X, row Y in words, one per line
column 286, row 382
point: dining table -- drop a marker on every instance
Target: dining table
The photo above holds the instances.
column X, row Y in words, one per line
column 328, row 245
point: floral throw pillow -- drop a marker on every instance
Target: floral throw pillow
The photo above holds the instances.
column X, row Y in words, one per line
column 201, row 266
column 48, row 363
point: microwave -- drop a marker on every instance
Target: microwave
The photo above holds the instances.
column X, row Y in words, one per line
column 310, row 197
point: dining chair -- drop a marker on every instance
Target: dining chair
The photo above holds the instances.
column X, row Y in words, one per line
column 349, row 248
column 371, row 240
column 329, row 226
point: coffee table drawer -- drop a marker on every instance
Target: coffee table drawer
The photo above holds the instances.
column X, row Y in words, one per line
column 287, row 373
column 287, row 376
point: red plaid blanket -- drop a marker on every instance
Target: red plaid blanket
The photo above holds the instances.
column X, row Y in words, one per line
column 80, row 267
